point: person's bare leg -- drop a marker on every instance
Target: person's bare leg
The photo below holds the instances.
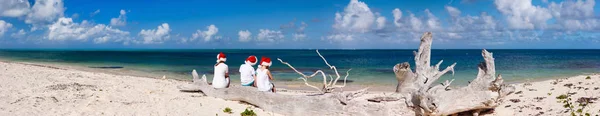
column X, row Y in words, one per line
column 228, row 82
column 273, row 88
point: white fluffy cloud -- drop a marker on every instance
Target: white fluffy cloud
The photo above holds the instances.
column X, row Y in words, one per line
column 45, row 12
column 413, row 23
column 20, row 34
column 356, row 20
column 433, row 23
column 454, row 12
column 14, row 8
column 94, row 13
column 340, row 37
column 410, row 27
column 397, row 16
column 470, row 23
column 573, row 9
column 522, row 14
column 207, row 35
column 4, row 26
column 155, row 36
column 119, row 21
column 300, row 35
column 244, row 35
column 66, row 29
column 380, row 22
column 357, row 17
column 267, row 35
column 471, row 27
column 518, row 20
column 575, row 15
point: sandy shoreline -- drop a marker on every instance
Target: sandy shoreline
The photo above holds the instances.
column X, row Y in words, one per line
column 294, row 84
column 44, row 90
column 40, row 89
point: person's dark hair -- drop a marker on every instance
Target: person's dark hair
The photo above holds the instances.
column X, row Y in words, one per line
column 219, row 63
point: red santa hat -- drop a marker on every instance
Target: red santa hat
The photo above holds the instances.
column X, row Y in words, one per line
column 265, row 61
column 221, row 57
column 251, row 60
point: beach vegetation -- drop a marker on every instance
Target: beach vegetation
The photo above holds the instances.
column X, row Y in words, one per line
column 588, row 77
column 248, row 113
column 227, row 110
column 575, row 110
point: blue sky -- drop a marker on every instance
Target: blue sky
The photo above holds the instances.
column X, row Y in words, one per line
column 299, row 24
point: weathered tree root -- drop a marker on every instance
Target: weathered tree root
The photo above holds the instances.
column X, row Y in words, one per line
column 483, row 93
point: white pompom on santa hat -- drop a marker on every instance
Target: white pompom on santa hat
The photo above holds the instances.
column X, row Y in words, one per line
column 265, row 61
column 221, row 57
column 251, row 60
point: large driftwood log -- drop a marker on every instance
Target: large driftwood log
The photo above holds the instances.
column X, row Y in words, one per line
column 340, row 103
column 420, row 98
column 483, row 93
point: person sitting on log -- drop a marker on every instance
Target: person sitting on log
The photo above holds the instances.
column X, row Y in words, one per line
column 263, row 76
column 221, row 74
column 247, row 73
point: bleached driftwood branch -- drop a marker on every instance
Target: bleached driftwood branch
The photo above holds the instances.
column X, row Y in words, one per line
column 328, row 86
column 485, row 92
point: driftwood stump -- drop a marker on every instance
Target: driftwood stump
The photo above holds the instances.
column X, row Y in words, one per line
column 483, row 93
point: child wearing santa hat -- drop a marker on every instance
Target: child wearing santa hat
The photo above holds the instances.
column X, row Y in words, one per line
column 263, row 76
column 221, row 74
column 247, row 73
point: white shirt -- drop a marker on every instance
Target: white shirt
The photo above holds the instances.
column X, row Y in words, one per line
column 247, row 74
column 262, row 80
column 219, row 80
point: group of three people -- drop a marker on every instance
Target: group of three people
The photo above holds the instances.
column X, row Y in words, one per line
column 259, row 78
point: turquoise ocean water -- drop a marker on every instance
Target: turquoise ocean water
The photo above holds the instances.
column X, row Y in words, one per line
column 368, row 66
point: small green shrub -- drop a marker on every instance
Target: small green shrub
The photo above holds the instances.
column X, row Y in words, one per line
column 588, row 77
column 227, row 110
column 562, row 97
column 578, row 110
column 248, row 113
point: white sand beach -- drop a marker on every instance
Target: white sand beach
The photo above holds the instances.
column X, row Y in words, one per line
column 540, row 98
column 27, row 90
column 33, row 89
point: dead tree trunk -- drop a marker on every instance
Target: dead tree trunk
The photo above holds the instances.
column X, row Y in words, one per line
column 485, row 92
column 325, row 104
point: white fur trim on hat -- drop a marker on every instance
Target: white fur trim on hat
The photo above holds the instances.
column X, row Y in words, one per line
column 266, row 63
column 250, row 63
column 221, row 59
